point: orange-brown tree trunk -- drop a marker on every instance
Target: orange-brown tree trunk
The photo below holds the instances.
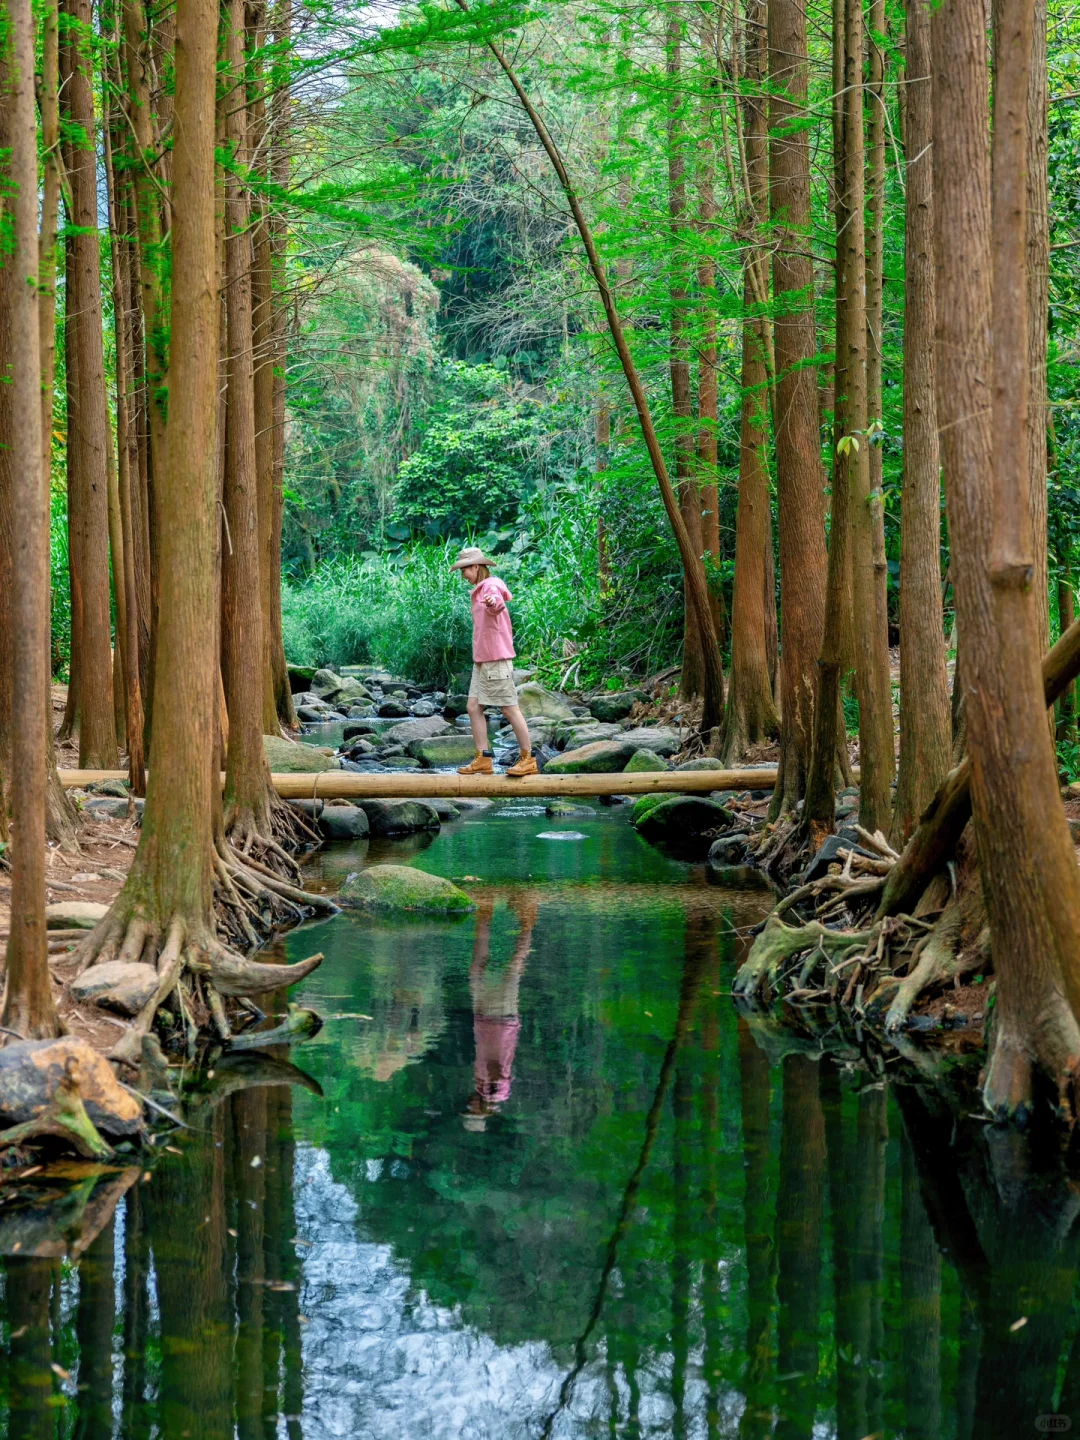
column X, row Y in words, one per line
column 1038, row 283
column 29, row 1008
column 925, row 718
column 88, row 521
column 751, row 710
column 800, row 481
column 1029, row 872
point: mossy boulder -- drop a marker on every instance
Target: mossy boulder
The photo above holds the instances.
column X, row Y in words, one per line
column 325, row 682
column 643, row 760
column 602, row 757
column 443, row 750
column 647, row 803
column 343, row 822
column 401, row 887
column 678, row 817
column 703, row 762
column 74, row 914
column 286, row 757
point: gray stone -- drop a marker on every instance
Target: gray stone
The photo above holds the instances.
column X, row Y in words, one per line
column 830, row 854
column 314, row 714
column 422, row 728
column 325, row 682
column 443, row 750
column 455, row 705
column 473, row 802
column 393, row 708
column 74, row 915
column 360, row 747
column 728, row 850
column 643, row 760
column 362, row 728
column 290, row 758
column 422, row 709
column 445, row 809
column 660, row 738
column 399, row 817
column 520, row 677
column 406, row 762
column 117, row 985
column 602, row 757
column 535, row 700
column 679, row 817
column 343, row 822
column 401, row 887
column 703, row 762
column 108, row 809
column 575, row 733
column 118, row 789
column 387, row 751
column 615, row 705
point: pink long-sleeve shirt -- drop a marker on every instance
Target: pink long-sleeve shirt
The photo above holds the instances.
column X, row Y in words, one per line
column 493, row 635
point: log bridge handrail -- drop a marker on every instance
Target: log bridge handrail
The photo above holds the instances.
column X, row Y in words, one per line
column 351, row 784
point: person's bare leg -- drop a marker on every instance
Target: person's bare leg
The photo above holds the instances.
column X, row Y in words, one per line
column 479, row 726
column 519, row 727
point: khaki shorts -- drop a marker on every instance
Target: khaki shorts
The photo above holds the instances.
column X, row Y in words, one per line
column 493, row 683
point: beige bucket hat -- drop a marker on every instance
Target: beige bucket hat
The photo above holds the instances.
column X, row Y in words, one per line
column 472, row 555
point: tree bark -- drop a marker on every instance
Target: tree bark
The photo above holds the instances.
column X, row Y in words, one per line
column 682, row 410
column 871, row 641
column 248, row 793
column 751, row 710
column 1029, row 872
column 1038, row 299
column 708, row 386
column 29, row 1008
column 925, row 719
column 88, row 419
column 800, row 481
column 875, row 260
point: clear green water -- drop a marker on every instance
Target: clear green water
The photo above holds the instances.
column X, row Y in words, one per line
column 550, row 1185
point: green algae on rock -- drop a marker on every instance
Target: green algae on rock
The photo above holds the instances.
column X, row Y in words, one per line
column 401, row 887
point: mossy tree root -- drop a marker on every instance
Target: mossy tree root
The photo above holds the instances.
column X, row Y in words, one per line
column 64, row 1118
column 937, row 961
column 759, row 975
column 1051, row 1047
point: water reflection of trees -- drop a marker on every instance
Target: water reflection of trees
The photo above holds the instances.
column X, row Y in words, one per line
column 715, row 1245
column 203, row 1262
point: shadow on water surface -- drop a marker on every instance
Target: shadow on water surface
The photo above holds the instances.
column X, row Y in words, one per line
column 541, row 1180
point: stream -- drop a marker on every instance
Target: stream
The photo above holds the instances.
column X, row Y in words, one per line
column 541, row 1179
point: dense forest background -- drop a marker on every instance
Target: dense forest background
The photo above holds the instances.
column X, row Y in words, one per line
column 448, row 376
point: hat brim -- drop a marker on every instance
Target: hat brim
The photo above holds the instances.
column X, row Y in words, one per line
column 467, row 564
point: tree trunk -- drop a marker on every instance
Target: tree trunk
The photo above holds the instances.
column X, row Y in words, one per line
column 602, row 440
column 819, row 809
column 875, row 243
column 925, row 718
column 751, row 710
column 1029, row 873
column 1066, row 728
column 682, row 410
column 871, row 642
column 29, row 1008
column 708, row 387
column 798, row 1247
column 800, row 481
column 87, row 422
column 248, row 793
column 280, row 128
column 1038, row 299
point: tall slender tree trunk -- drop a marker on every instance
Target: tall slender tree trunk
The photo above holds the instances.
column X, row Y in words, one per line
column 29, row 1008
column 875, row 262
column 819, row 809
column 88, row 419
column 281, row 131
column 1038, row 300
column 1029, row 873
column 871, row 644
column 798, row 1247
column 925, row 719
column 751, row 710
column 1066, row 729
column 682, row 410
column 800, row 480
column 247, row 776
column 708, row 385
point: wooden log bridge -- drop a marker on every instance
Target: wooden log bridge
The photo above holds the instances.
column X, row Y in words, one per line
column 430, row 784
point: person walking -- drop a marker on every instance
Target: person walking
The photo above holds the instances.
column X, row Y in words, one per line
column 493, row 664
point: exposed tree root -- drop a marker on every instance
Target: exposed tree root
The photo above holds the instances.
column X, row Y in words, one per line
column 64, row 1118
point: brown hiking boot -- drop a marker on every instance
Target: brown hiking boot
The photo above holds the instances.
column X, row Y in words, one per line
column 480, row 766
column 525, row 766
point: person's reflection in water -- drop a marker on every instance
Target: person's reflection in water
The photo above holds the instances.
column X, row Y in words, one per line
column 496, row 1022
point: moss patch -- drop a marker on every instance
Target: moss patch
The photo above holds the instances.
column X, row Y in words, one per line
column 401, row 887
